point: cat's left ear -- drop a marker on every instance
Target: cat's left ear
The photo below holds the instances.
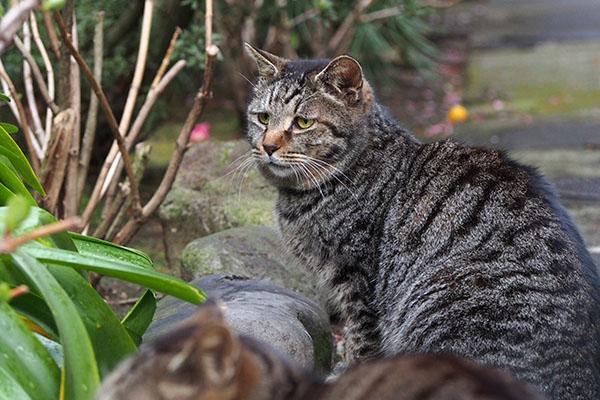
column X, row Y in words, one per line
column 268, row 64
column 345, row 75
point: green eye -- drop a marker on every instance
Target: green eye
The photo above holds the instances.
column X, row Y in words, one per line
column 264, row 118
column 304, row 123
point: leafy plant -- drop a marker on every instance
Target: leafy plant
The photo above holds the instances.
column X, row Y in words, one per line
column 60, row 303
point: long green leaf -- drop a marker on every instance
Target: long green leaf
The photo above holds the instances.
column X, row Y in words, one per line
column 20, row 162
column 10, row 128
column 4, row 97
column 140, row 316
column 126, row 271
column 87, row 245
column 110, row 339
column 10, row 389
column 81, row 372
column 13, row 182
column 25, row 359
column 5, row 194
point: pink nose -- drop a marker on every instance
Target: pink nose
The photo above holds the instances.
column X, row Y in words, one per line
column 270, row 148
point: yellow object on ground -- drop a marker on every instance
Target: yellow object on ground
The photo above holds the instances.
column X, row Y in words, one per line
column 457, row 113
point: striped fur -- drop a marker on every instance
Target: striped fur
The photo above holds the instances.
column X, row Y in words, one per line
column 205, row 360
column 427, row 248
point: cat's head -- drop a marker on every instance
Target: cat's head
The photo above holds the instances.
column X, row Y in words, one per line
column 201, row 360
column 304, row 117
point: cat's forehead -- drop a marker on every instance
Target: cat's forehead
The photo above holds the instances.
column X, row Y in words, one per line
column 293, row 82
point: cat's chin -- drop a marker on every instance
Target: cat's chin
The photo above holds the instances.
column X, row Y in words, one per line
column 279, row 175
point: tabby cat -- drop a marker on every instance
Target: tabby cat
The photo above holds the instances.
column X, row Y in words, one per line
column 427, row 248
column 205, row 360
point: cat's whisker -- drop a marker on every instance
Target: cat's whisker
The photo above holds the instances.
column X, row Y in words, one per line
column 242, row 159
column 311, row 177
column 245, row 173
column 247, row 80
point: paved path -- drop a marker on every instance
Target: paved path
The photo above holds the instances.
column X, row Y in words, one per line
column 534, row 89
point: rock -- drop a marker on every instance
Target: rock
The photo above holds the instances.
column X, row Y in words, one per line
column 254, row 252
column 205, row 200
column 291, row 323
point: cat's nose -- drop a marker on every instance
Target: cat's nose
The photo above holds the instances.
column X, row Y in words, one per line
column 270, row 148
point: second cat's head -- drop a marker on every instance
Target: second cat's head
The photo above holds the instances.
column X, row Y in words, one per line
column 304, row 117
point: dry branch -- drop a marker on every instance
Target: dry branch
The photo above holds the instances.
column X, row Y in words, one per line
column 348, row 25
column 9, row 244
column 12, row 21
column 112, row 122
column 37, row 74
column 133, row 225
column 92, row 116
column 140, row 66
column 34, row 150
column 50, row 75
column 166, row 59
column 51, row 34
column 29, row 91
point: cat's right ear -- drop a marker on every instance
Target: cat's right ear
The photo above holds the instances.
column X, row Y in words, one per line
column 344, row 74
column 268, row 64
column 212, row 353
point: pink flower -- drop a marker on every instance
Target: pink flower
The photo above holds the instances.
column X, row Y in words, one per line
column 200, row 132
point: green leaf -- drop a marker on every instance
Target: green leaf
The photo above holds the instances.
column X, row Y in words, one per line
column 20, row 162
column 25, row 360
column 5, row 194
column 18, row 209
column 52, row 4
column 10, row 389
column 4, row 97
column 13, row 182
column 88, row 245
column 10, row 128
column 119, row 269
column 80, row 369
column 110, row 340
column 139, row 317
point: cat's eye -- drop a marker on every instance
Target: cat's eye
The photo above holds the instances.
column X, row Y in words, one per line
column 264, row 118
column 304, row 123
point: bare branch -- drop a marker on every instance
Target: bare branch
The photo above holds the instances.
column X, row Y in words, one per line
column 51, row 34
column 50, row 74
column 132, row 226
column 348, row 24
column 166, row 59
column 12, row 21
column 305, row 16
column 29, row 92
column 33, row 147
column 112, row 122
column 140, row 66
column 37, row 74
column 381, row 14
column 92, row 116
column 115, row 161
column 9, row 244
column 71, row 195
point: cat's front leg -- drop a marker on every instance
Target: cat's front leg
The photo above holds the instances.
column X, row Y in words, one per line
column 361, row 333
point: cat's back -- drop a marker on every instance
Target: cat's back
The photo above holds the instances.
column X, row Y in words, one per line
column 479, row 259
column 425, row 377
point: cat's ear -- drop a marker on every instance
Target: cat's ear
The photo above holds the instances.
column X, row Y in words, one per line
column 268, row 64
column 345, row 75
column 212, row 353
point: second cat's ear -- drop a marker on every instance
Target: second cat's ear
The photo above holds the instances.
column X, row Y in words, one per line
column 345, row 75
column 268, row 64
column 212, row 353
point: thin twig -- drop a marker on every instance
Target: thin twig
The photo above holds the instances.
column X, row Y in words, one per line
column 50, row 76
column 348, row 24
column 9, row 244
column 51, row 34
column 113, row 159
column 140, row 66
column 132, row 226
column 18, row 291
column 34, row 150
column 92, row 116
column 112, row 122
column 71, row 194
column 37, row 74
column 381, row 14
column 29, row 91
column 166, row 59
column 12, row 21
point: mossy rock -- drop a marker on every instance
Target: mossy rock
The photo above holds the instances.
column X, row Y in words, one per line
column 253, row 251
column 209, row 196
